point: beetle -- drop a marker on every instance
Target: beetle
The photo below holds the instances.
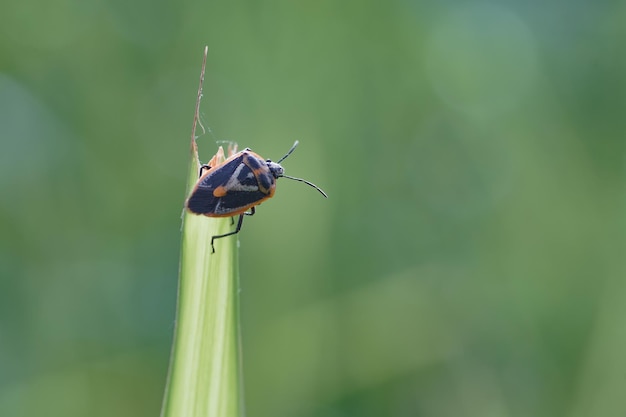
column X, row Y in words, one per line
column 241, row 182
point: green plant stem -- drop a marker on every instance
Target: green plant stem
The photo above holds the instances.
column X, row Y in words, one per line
column 204, row 373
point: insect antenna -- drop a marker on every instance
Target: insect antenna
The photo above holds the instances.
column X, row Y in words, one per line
column 288, row 153
column 304, row 181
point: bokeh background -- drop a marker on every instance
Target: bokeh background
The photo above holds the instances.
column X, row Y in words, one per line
column 469, row 261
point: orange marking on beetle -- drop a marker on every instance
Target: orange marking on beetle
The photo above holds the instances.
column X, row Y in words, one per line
column 220, row 191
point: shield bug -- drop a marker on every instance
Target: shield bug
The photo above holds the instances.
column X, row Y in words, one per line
column 241, row 182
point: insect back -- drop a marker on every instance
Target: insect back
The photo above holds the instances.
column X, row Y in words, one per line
column 237, row 185
column 231, row 188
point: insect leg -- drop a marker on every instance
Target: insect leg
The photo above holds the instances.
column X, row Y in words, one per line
column 239, row 223
column 247, row 213
column 203, row 167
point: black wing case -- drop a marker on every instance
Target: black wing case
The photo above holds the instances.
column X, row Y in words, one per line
column 202, row 200
column 240, row 191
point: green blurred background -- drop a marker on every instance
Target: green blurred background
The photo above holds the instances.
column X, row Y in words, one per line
column 470, row 258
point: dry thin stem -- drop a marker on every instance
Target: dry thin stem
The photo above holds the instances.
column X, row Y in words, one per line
column 196, row 114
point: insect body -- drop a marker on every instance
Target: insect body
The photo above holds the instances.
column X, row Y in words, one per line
column 240, row 183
